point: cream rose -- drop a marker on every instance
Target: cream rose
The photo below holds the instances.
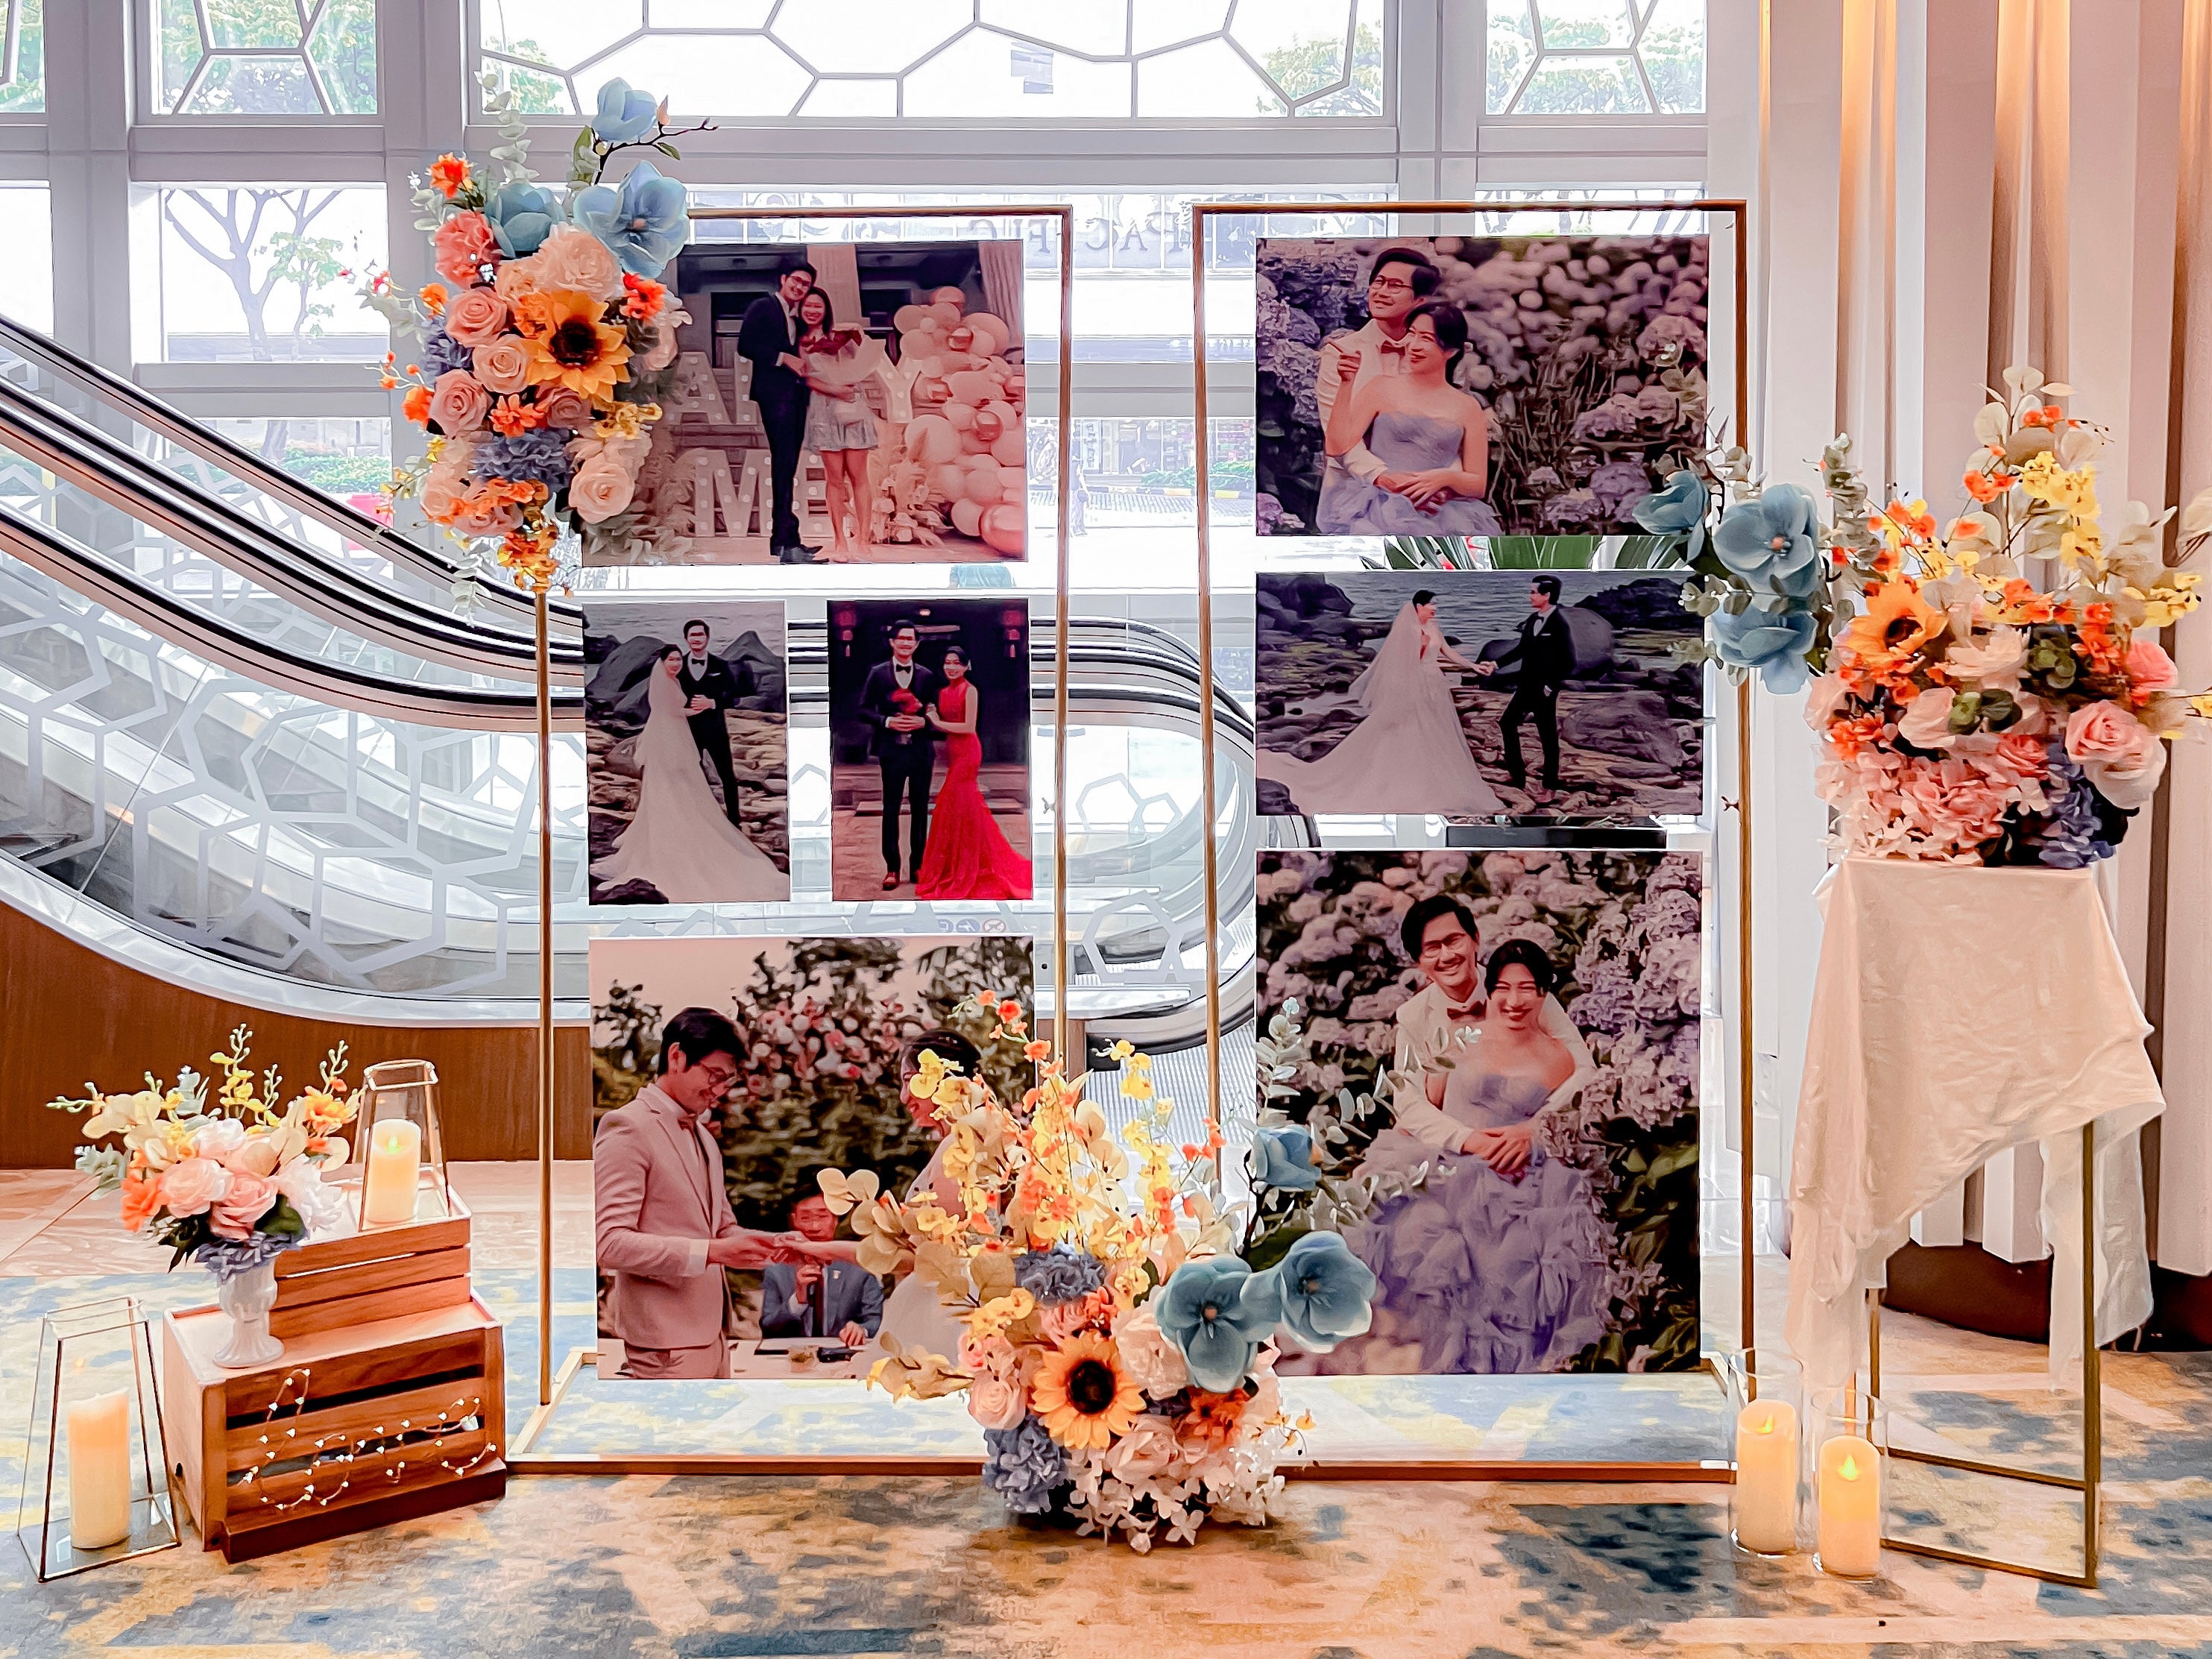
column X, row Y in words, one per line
column 476, row 316
column 1147, row 1450
column 458, row 402
column 257, row 1155
column 1927, row 720
column 503, row 365
column 2121, row 756
column 516, row 278
column 601, row 490
column 245, row 1202
column 1148, row 1356
column 573, row 258
column 995, row 1402
column 191, row 1185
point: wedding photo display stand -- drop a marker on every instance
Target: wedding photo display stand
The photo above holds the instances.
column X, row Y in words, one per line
column 1206, row 213
column 553, row 1386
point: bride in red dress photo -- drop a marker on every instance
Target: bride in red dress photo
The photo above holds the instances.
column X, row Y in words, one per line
column 968, row 855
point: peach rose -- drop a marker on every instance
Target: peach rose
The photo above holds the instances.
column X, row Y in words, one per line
column 191, row 1185
column 480, row 515
column 477, row 316
column 245, row 1203
column 465, row 246
column 443, row 499
column 565, row 407
column 254, row 1156
column 503, row 365
column 995, row 1402
column 576, row 259
column 2120, row 756
column 516, row 278
column 458, row 402
column 2149, row 669
column 601, row 490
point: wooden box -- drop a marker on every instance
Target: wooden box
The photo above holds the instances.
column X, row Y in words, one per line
column 351, row 1429
column 378, row 1272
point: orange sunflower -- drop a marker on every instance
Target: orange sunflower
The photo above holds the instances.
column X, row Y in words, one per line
column 1897, row 625
column 569, row 345
column 1083, row 1395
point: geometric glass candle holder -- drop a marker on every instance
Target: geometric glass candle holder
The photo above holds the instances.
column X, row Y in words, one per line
column 96, row 1473
column 1850, row 1480
column 398, row 1138
column 1767, row 1504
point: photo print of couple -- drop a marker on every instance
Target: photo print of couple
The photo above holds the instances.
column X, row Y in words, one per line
column 1520, row 1034
column 686, row 742
column 845, row 402
column 1544, row 694
column 929, row 730
column 1484, row 387
column 726, row 1073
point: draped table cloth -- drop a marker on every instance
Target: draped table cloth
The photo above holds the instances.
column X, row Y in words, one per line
column 1959, row 1011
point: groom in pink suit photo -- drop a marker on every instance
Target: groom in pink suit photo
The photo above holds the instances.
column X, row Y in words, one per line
column 666, row 1232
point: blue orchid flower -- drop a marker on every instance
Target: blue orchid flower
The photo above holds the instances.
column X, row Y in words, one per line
column 522, row 217
column 1772, row 642
column 1217, row 1311
column 622, row 115
column 1282, row 1157
column 1771, row 542
column 1679, row 509
column 644, row 221
column 1327, row 1293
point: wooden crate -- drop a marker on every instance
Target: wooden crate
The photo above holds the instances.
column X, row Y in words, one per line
column 379, row 1273
column 333, row 1438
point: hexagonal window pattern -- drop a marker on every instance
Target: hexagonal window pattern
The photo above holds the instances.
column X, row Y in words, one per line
column 993, row 59
column 265, row 56
column 1597, row 57
column 23, row 56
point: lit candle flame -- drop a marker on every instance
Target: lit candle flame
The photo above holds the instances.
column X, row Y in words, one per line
column 1849, row 1469
column 1764, row 1425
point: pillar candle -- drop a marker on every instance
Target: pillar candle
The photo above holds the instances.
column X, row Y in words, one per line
column 1850, row 1507
column 395, row 1158
column 100, row 1470
column 1766, row 1477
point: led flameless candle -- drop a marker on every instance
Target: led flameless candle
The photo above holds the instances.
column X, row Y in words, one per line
column 395, row 1158
column 100, row 1470
column 1850, row 1507
column 1766, row 1477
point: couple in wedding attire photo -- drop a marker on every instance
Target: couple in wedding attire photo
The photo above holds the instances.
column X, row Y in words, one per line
column 691, row 848
column 807, row 371
column 1409, row 752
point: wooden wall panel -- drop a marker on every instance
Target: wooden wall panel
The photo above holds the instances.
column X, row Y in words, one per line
column 68, row 1015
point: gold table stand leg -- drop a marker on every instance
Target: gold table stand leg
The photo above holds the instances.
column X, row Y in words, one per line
column 2092, row 1421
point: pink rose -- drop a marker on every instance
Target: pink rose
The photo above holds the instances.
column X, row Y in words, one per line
column 191, row 1185
column 601, row 490
column 565, row 407
column 995, row 1402
column 458, row 402
column 503, row 365
column 245, row 1203
column 2121, row 756
column 444, row 496
column 465, row 246
column 2149, row 669
column 480, row 515
column 476, row 316
column 1926, row 723
column 577, row 260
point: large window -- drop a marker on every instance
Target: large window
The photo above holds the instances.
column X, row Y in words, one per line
column 266, row 57
column 23, row 56
column 1596, row 58
column 265, row 273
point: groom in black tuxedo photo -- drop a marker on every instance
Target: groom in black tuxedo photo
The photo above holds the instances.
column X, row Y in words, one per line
column 709, row 686
column 768, row 338
column 1545, row 653
column 903, row 743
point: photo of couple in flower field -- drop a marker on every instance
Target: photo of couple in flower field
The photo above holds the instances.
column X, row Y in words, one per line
column 1483, row 387
column 1517, row 1035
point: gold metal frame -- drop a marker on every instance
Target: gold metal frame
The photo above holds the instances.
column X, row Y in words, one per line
column 2091, row 1479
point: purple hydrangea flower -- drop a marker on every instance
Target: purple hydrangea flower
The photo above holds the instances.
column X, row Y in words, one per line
column 538, row 457
column 442, row 351
column 1023, row 1465
column 1058, row 1275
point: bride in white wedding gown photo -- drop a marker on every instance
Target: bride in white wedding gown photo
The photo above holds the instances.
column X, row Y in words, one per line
column 1408, row 753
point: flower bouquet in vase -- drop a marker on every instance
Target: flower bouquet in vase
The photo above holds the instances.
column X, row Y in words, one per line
column 1117, row 1351
column 537, row 363
column 1988, row 691
column 212, row 1168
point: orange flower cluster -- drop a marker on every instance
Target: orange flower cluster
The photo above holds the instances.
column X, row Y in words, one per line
column 449, row 175
column 644, row 297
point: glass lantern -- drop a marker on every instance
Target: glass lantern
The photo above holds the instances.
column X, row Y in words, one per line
column 1767, row 1504
column 1850, row 1481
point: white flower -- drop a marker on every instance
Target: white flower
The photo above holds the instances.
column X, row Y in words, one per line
column 1994, row 663
column 323, row 1208
column 1927, row 722
column 1148, row 1356
column 1147, row 1448
column 217, row 1136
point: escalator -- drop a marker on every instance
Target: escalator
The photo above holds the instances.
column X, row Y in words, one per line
column 249, row 743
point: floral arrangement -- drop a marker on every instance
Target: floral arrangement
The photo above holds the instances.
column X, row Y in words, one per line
column 544, row 350
column 230, row 1180
column 1117, row 1351
column 1966, row 714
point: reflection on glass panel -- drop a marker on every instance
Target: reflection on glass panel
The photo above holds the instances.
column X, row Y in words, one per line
column 348, row 459
column 27, row 256
column 1596, row 57
column 265, row 273
column 23, row 56
column 266, row 57
column 1002, row 60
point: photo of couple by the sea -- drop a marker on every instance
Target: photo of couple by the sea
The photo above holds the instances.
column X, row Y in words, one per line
column 929, row 718
column 685, row 740
column 728, row 1074
column 1525, row 1191
column 1478, row 693
column 1475, row 386
column 891, row 371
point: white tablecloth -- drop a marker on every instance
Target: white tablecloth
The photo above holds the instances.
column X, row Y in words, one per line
column 1959, row 1011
